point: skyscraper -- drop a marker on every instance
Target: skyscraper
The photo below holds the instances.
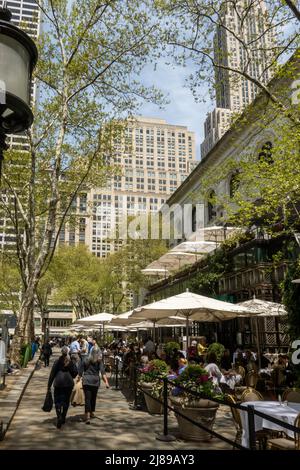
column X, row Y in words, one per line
column 244, row 43
column 155, row 160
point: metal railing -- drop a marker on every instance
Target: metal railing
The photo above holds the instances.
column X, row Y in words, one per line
column 249, row 409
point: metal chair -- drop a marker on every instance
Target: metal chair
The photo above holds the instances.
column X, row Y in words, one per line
column 236, row 419
column 250, row 394
column 251, row 379
column 285, row 443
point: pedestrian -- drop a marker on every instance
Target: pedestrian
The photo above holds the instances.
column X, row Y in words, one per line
column 63, row 372
column 46, row 353
column 34, row 347
column 90, row 371
column 75, row 350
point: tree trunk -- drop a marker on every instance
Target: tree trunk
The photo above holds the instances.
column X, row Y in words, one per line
column 24, row 331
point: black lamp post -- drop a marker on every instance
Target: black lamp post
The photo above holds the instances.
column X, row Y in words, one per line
column 18, row 57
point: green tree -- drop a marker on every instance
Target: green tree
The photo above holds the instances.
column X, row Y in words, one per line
column 90, row 56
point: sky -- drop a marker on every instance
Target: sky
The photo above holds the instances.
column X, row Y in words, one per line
column 182, row 108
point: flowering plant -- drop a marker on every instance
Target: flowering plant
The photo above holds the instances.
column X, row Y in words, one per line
column 153, row 373
column 154, row 370
column 195, row 379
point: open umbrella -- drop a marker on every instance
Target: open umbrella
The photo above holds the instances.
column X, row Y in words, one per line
column 98, row 318
column 192, row 307
column 262, row 308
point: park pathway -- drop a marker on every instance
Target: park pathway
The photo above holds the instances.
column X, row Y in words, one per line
column 116, row 427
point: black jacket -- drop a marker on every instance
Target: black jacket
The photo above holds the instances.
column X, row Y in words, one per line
column 62, row 376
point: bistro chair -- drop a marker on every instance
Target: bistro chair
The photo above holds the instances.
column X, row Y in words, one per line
column 250, row 394
column 240, row 370
column 251, row 379
column 230, row 399
column 292, row 395
column 285, row 443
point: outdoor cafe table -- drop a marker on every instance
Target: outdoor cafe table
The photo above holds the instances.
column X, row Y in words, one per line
column 285, row 413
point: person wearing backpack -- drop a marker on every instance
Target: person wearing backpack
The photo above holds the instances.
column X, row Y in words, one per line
column 63, row 372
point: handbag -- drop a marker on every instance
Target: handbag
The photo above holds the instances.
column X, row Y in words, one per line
column 77, row 396
column 48, row 403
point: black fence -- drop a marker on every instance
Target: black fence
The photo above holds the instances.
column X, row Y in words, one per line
column 130, row 380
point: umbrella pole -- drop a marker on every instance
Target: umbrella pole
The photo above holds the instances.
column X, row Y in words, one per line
column 187, row 332
column 153, row 331
column 257, row 342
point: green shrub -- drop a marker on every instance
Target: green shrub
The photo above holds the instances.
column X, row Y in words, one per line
column 218, row 349
column 170, row 346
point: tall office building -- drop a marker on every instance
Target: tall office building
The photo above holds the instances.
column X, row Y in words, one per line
column 234, row 92
column 154, row 159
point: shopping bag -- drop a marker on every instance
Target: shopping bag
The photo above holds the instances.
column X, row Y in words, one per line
column 77, row 396
column 48, row 403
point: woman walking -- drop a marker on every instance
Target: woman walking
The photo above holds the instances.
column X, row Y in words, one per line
column 90, row 371
column 61, row 376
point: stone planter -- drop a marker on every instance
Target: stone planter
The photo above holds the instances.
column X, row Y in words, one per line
column 201, row 411
column 153, row 406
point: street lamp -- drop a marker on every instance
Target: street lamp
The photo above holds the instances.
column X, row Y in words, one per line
column 18, row 57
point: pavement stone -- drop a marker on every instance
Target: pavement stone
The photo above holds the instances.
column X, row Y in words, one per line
column 116, row 427
column 11, row 395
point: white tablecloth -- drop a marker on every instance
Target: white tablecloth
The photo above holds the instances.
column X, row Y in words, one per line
column 274, row 409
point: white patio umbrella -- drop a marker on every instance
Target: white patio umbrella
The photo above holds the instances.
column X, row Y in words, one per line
column 163, row 323
column 262, row 308
column 122, row 318
column 96, row 320
column 192, row 307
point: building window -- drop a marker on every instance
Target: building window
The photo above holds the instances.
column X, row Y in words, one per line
column 211, row 208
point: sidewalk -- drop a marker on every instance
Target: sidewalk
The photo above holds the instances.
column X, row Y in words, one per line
column 11, row 395
column 117, row 426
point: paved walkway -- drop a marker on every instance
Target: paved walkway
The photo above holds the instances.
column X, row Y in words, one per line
column 116, row 426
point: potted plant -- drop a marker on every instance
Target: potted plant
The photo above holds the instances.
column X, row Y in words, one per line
column 201, row 410
column 150, row 382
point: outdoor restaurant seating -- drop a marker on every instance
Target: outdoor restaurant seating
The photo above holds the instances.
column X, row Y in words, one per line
column 236, row 418
column 285, row 443
column 251, row 379
column 250, row 394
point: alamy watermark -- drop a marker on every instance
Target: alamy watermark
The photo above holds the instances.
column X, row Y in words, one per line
column 169, row 222
column 296, row 354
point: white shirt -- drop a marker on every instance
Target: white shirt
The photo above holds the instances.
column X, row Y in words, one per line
column 214, row 372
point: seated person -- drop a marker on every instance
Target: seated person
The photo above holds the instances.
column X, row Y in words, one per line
column 182, row 364
column 251, row 363
column 226, row 360
column 192, row 352
column 213, row 370
column 201, row 348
